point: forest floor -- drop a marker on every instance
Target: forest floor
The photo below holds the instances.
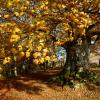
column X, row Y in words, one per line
column 34, row 87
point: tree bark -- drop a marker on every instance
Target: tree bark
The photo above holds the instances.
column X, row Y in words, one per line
column 71, row 61
column 74, row 60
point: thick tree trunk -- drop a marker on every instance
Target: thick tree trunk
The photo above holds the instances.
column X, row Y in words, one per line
column 76, row 57
column 70, row 64
column 69, row 68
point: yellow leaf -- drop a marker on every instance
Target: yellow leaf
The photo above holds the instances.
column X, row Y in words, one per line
column 27, row 2
column 20, row 48
column 36, row 61
column 16, row 13
column 21, row 13
column 7, row 60
column 39, row 48
column 16, row 30
column 47, row 58
column 6, row 16
column 14, row 38
column 44, row 54
column 21, row 54
column 27, row 54
column 41, row 60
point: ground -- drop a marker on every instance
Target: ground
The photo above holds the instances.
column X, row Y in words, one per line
column 34, row 87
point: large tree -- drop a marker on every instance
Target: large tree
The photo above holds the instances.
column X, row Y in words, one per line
column 30, row 29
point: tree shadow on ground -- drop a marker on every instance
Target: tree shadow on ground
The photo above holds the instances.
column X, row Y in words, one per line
column 29, row 83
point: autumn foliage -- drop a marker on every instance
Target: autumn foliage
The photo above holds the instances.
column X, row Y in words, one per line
column 31, row 29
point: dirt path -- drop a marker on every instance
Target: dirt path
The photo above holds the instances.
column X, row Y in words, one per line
column 33, row 87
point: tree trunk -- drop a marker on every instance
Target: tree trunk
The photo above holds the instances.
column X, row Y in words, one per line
column 83, row 52
column 70, row 64
column 70, row 67
column 76, row 57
